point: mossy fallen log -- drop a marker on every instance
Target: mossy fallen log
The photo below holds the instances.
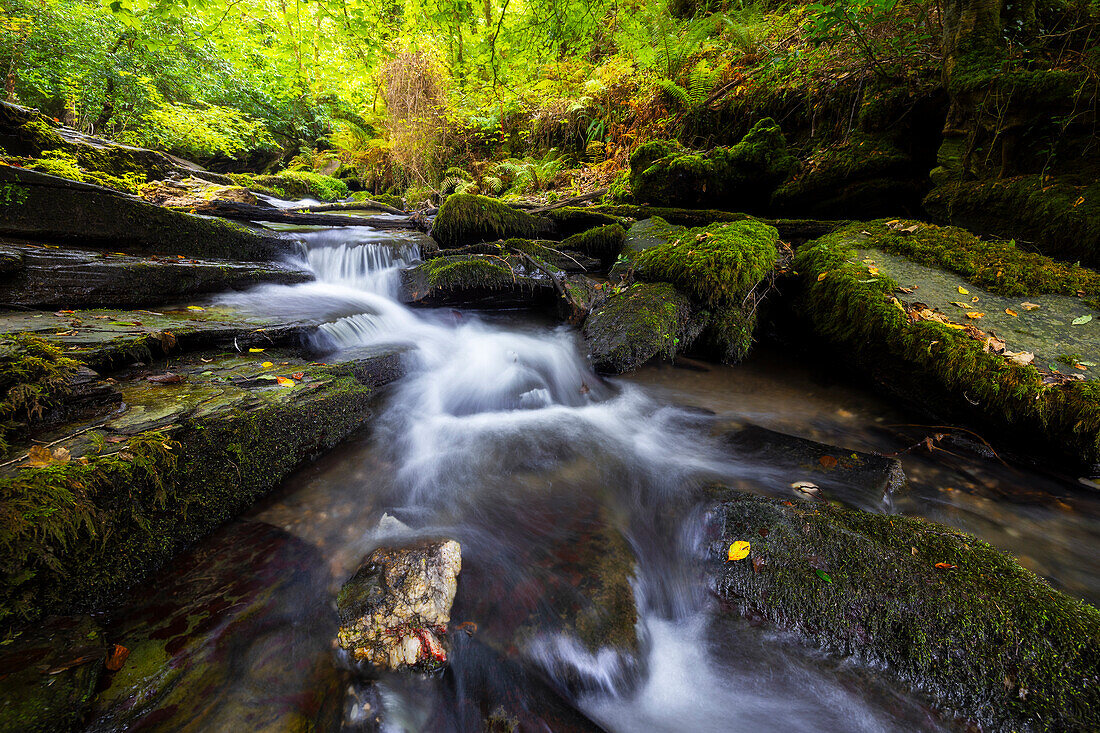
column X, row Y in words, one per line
column 941, row 609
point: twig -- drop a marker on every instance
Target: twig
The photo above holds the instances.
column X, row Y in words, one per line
column 47, row 445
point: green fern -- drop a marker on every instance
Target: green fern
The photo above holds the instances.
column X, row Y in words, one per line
column 701, row 81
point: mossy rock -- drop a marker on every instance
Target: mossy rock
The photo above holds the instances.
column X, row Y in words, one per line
column 45, row 208
column 743, row 175
column 182, row 457
column 604, row 243
column 480, row 280
column 721, row 268
column 942, row 364
column 295, row 185
column 646, row 321
column 941, row 609
column 50, row 673
column 570, row 220
column 862, row 177
column 1060, row 216
column 468, row 219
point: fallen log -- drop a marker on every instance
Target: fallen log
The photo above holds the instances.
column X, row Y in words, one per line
column 349, row 206
column 252, row 213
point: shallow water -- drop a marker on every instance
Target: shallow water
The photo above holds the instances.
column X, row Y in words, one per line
column 555, row 481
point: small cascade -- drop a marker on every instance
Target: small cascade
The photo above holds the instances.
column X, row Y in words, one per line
column 366, row 266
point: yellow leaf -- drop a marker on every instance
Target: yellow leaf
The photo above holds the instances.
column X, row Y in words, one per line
column 1011, row 312
column 254, row 351
column 963, row 291
column 1029, row 306
column 738, row 551
column 961, row 305
column 284, row 382
column 822, row 276
column 39, row 456
column 974, row 314
column 974, row 299
column 195, row 308
column 897, row 302
column 267, row 364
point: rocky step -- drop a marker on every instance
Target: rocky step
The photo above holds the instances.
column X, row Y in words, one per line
column 61, row 277
column 45, row 208
column 486, row 281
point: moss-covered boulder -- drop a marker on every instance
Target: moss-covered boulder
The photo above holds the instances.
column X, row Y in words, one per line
column 722, row 268
column 967, row 329
column 50, row 673
column 570, row 220
column 939, row 608
column 195, row 194
column 638, row 324
column 604, row 243
column 74, row 278
column 476, row 280
column 742, row 176
column 46, row 208
column 294, row 185
column 1059, row 217
column 118, row 494
column 468, row 219
column 861, row 177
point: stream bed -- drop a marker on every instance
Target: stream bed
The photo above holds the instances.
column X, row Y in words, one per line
column 582, row 601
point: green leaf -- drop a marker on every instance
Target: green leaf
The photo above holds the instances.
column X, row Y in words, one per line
column 1082, row 319
column 823, row 575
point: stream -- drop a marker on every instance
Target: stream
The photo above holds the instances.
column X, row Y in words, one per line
column 562, row 487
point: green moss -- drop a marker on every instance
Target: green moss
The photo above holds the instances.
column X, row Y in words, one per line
column 641, row 323
column 34, row 375
column 604, row 243
column 294, row 185
column 985, row 636
column 468, row 273
column 467, row 219
column 58, row 163
column 570, row 220
column 862, row 316
column 649, row 153
column 747, row 172
column 1061, row 216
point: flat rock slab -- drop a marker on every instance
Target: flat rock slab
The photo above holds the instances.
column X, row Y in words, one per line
column 61, row 277
column 49, row 673
column 107, row 339
column 1047, row 331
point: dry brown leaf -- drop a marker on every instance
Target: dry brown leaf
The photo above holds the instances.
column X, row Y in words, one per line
column 1029, row 306
column 1011, row 312
column 975, row 314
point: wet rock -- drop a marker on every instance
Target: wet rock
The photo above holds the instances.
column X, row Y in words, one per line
column 183, row 456
column 476, row 280
column 744, row 174
column 195, row 193
column 939, row 608
column 395, row 609
column 963, row 328
column 49, row 674
column 570, row 220
column 468, row 219
column 47, row 208
column 234, row 635
column 641, row 323
column 823, row 472
column 603, row 243
column 75, row 278
column 792, row 231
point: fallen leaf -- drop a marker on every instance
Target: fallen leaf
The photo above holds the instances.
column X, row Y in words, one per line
column 195, row 308
column 963, row 291
column 960, row 304
column 738, row 551
column 974, row 299
column 1011, row 312
column 61, row 454
column 117, row 439
column 827, row 462
column 298, row 375
column 822, row 276
column 757, row 563
column 1029, row 306
column 823, row 575
column 284, row 382
column 975, row 314
column 39, row 455
column 1081, row 320
column 1023, row 358
column 117, row 657
column 914, row 551
column 946, row 566
column 1082, row 367
column 267, row 364
column 897, row 302
column 63, row 313
column 254, row 351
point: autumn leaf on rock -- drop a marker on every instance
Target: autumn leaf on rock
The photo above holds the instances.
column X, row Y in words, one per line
column 116, row 658
column 1011, row 312
column 960, row 304
column 39, row 455
column 963, row 291
column 195, row 308
column 298, row 375
column 738, row 551
column 1081, row 320
column 284, row 382
column 975, row 314
column 1029, row 306
column 946, row 566
column 827, row 462
column 267, row 364
column 822, row 276
column 255, row 351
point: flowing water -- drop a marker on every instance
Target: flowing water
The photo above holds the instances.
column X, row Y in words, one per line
column 563, row 487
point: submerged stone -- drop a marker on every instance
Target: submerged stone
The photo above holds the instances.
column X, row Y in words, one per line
column 49, row 674
column 395, row 609
column 941, row 609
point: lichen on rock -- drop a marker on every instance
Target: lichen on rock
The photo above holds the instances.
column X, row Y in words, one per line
column 395, row 609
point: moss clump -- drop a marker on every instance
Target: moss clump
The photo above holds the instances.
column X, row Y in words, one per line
column 604, row 243
column 294, row 185
column 34, row 374
column 649, row 153
column 745, row 173
column 58, row 163
column 863, row 317
column 1060, row 216
column 641, row 323
column 981, row 633
column 466, row 273
column 467, row 219
column 998, row 266
column 382, row 198
column 863, row 176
